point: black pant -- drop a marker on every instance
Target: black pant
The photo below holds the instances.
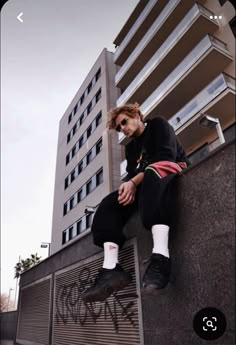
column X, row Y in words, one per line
column 155, row 199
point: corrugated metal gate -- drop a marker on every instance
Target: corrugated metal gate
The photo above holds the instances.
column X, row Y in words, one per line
column 116, row 321
column 34, row 313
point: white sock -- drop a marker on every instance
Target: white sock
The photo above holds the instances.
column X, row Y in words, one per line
column 160, row 235
column 110, row 255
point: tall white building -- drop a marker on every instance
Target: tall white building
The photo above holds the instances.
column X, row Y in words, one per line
column 88, row 155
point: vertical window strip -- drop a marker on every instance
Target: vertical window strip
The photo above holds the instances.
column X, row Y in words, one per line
column 83, row 163
column 85, row 94
column 86, row 112
column 82, row 140
column 85, row 190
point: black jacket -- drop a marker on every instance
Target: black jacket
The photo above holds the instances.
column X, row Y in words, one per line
column 158, row 142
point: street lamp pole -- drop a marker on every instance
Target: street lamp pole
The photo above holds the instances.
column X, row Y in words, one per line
column 17, row 280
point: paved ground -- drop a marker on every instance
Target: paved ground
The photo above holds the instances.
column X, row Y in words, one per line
column 6, row 342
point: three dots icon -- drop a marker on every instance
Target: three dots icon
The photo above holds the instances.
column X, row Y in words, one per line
column 215, row 17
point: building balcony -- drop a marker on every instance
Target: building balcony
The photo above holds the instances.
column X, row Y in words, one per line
column 136, row 32
column 208, row 59
column 217, row 99
column 180, row 42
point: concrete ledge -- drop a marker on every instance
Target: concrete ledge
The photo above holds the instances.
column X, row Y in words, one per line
column 202, row 247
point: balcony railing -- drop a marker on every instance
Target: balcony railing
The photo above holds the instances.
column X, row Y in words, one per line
column 211, row 91
column 161, row 53
column 134, row 28
column 199, row 50
column 156, row 26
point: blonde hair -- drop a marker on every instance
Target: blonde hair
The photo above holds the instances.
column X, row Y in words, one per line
column 130, row 110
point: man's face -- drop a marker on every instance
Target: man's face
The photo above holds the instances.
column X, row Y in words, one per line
column 128, row 125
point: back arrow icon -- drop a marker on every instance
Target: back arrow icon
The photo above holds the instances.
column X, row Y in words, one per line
column 19, row 17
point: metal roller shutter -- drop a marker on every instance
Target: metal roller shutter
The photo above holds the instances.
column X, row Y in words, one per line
column 33, row 319
column 115, row 321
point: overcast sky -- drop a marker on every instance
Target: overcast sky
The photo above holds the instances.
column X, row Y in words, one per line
column 44, row 60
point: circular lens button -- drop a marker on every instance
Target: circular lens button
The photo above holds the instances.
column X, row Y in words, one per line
column 209, row 323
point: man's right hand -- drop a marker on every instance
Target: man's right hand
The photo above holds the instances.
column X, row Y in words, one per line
column 126, row 193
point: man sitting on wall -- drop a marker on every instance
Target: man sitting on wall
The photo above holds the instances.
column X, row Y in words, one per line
column 154, row 160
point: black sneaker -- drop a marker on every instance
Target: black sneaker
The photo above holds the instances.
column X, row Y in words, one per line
column 106, row 282
column 157, row 274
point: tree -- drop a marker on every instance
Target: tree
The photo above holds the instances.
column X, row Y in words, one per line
column 24, row 265
column 6, row 304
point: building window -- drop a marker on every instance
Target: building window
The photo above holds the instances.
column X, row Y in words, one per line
column 75, row 108
column 89, row 157
column 79, row 227
column 98, row 95
column 89, row 108
column 99, row 177
column 67, row 158
column 89, row 131
column 71, row 203
column 90, row 87
column 66, row 182
column 79, row 195
column 68, row 138
column 69, row 118
column 64, row 237
column 81, row 141
column 89, row 187
column 89, row 218
column 81, row 119
column 65, row 209
column 98, row 146
column 70, row 233
column 82, row 99
column 98, row 74
column 98, row 119
column 74, row 129
column 80, row 167
column 73, row 151
column 72, row 176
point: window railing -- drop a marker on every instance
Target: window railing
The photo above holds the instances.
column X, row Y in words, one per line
column 211, row 91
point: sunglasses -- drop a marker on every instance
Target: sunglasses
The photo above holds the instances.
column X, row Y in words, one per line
column 122, row 123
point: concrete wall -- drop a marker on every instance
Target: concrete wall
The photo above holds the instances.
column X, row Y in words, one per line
column 8, row 325
column 202, row 247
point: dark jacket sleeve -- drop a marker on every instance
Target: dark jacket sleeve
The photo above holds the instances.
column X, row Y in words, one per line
column 163, row 140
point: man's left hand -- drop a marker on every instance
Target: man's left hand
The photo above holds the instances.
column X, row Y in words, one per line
column 126, row 193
